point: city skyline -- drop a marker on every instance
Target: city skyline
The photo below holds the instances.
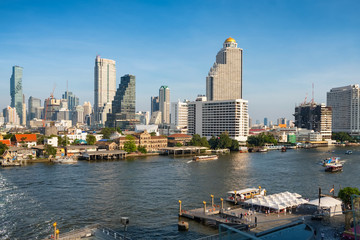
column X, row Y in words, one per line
column 287, row 47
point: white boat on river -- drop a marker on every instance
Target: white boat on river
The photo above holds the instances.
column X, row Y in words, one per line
column 244, row 194
column 65, row 160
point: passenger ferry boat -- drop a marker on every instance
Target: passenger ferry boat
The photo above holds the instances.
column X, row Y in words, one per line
column 337, row 167
column 348, row 152
column 331, row 161
column 244, row 194
column 65, row 160
column 205, row 157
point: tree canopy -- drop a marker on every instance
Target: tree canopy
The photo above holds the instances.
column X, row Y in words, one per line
column 342, row 137
column 260, row 139
column 129, row 145
column 345, row 195
column 50, row 150
column 196, row 140
column 90, row 139
column 224, row 141
column 142, row 149
column 3, row 148
column 106, row 132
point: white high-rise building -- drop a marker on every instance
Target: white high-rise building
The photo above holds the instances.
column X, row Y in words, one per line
column 345, row 105
column 11, row 116
column 179, row 114
column 164, row 104
column 104, row 88
column 212, row 118
column 224, row 80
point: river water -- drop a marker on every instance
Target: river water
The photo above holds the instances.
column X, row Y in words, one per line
column 147, row 190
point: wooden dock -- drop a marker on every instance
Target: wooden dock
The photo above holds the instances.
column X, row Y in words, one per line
column 241, row 218
column 100, row 155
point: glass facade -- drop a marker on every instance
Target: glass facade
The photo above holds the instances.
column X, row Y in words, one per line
column 16, row 92
column 123, row 105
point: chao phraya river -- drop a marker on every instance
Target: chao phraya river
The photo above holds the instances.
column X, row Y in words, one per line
column 147, row 190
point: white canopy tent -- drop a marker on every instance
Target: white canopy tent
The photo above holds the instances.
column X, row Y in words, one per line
column 278, row 201
column 328, row 203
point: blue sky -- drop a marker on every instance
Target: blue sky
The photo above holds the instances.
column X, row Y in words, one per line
column 288, row 45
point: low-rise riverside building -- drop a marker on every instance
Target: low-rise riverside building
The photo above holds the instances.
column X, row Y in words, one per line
column 144, row 139
column 28, row 140
column 105, row 145
column 78, row 149
column 183, row 139
column 53, row 141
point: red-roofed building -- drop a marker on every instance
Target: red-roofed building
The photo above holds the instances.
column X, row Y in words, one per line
column 256, row 131
column 7, row 142
column 183, row 139
column 25, row 139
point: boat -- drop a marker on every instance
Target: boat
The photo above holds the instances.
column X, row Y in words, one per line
column 331, row 161
column 205, row 157
column 283, row 149
column 263, row 150
column 5, row 163
column 65, row 160
column 337, row 167
column 348, row 152
column 244, row 194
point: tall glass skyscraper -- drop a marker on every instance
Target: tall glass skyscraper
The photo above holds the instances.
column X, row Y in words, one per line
column 33, row 103
column 164, row 104
column 73, row 100
column 104, row 88
column 16, row 92
column 123, row 105
column 224, row 81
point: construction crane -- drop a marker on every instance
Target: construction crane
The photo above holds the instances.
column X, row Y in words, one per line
column 48, row 101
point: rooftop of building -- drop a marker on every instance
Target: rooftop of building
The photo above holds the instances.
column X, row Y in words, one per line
column 25, row 137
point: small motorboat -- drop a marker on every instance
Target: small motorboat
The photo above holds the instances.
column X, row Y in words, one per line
column 205, row 157
column 65, row 160
column 337, row 167
column 348, row 152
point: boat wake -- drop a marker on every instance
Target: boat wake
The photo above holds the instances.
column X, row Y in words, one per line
column 189, row 161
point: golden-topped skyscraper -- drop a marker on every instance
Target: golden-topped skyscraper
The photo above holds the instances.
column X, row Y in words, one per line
column 224, row 81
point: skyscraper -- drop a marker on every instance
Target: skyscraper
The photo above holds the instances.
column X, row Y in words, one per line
column 123, row 105
column 72, row 100
column 179, row 113
column 345, row 104
column 16, row 90
column 154, row 104
column 164, row 104
column 104, row 88
column 33, row 103
column 315, row 117
column 224, row 81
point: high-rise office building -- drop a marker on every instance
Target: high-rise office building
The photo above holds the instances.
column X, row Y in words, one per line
column 224, row 80
column 265, row 122
column 72, row 100
column 87, row 112
column 315, row 117
column 11, row 116
column 154, row 104
column 123, row 105
column 179, row 114
column 164, row 104
column 33, row 103
column 212, row 118
column 345, row 104
column 104, row 88
column 16, row 92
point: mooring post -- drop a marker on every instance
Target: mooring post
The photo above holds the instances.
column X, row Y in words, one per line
column 212, row 200
column 222, row 203
column 57, row 234
column 54, row 230
column 179, row 207
column 204, row 206
column 235, row 197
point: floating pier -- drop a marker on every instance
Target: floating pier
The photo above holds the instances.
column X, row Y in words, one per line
column 101, row 155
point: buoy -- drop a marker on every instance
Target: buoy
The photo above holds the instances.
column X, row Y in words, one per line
column 183, row 226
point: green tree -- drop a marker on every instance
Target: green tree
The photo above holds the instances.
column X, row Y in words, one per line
column 342, row 137
column 50, row 150
column 204, row 142
column 40, row 139
column 142, row 149
column 63, row 141
column 345, row 195
column 10, row 136
column 261, row 139
column 129, row 145
column 234, row 145
column 76, row 142
column 214, row 142
column 90, row 139
column 153, row 134
column 3, row 148
column 195, row 140
column 106, row 132
column 178, row 144
column 224, row 141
